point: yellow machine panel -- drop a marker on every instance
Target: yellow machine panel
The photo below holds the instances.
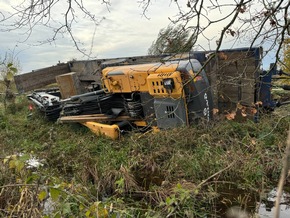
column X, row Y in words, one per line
column 125, row 82
column 111, row 131
column 163, row 85
column 133, row 78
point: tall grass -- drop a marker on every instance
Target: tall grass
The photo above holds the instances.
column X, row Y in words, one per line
column 170, row 173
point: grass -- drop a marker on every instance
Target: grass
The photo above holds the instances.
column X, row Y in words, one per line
column 174, row 173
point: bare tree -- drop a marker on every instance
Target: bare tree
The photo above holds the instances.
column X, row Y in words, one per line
column 29, row 14
column 252, row 22
column 256, row 22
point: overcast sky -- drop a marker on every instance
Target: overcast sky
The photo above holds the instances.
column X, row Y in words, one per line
column 123, row 32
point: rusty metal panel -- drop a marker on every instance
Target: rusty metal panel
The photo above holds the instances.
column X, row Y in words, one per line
column 235, row 79
column 39, row 78
column 248, row 91
column 69, row 85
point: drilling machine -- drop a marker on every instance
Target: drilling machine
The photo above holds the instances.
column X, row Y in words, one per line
column 154, row 95
column 140, row 92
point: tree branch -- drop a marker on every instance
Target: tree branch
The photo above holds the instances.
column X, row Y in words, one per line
column 283, row 176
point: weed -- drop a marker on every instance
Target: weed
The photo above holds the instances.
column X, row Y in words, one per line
column 173, row 173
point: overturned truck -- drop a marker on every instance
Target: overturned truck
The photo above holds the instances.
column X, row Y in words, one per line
column 151, row 92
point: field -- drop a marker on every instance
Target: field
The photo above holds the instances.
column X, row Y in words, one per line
column 63, row 170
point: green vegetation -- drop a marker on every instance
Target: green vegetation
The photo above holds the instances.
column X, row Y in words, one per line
column 285, row 64
column 7, row 85
column 174, row 173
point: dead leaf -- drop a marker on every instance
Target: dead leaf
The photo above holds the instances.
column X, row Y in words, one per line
column 259, row 103
column 231, row 116
column 222, row 56
column 215, row 111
